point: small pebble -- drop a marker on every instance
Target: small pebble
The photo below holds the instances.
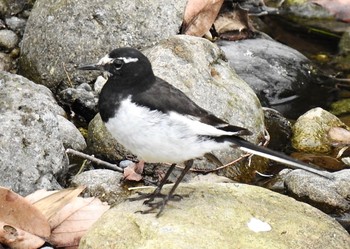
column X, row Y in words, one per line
column 8, row 39
column 125, row 163
column 99, row 83
column 16, row 24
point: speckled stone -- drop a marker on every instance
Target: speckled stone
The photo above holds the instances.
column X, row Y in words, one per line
column 61, row 35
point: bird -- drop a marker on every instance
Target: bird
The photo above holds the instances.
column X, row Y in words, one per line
column 160, row 124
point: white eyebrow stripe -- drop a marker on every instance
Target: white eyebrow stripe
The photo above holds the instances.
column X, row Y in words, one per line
column 128, row 59
column 105, row 60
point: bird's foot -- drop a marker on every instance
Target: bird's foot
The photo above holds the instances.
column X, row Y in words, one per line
column 160, row 204
column 149, row 196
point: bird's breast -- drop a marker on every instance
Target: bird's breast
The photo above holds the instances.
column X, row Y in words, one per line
column 155, row 136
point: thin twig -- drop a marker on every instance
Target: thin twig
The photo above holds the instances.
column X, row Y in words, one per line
column 218, row 168
column 95, row 160
column 65, row 70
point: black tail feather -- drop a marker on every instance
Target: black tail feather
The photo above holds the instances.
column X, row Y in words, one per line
column 273, row 155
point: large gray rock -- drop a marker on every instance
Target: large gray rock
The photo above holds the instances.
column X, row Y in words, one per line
column 329, row 196
column 59, row 36
column 280, row 76
column 218, row 216
column 32, row 153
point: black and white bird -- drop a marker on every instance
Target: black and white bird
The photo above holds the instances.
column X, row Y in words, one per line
column 160, row 124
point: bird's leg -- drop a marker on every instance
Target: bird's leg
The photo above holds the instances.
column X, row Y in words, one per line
column 157, row 191
column 161, row 204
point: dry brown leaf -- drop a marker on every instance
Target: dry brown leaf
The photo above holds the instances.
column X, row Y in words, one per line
column 199, row 16
column 133, row 172
column 51, row 204
column 16, row 238
column 232, row 20
column 323, row 161
column 85, row 212
column 38, row 195
column 17, row 211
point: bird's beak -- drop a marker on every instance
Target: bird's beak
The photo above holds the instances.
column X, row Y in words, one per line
column 91, row 67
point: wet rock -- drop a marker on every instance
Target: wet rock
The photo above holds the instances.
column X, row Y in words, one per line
column 32, row 154
column 310, row 14
column 221, row 211
column 342, row 60
column 102, row 183
column 279, row 129
column 281, row 77
column 310, row 132
column 60, row 36
column 331, row 196
column 8, row 39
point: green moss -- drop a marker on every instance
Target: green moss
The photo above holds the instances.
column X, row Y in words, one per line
column 340, row 107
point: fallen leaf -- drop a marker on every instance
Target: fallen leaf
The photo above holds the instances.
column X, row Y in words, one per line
column 230, row 24
column 323, row 161
column 18, row 212
column 199, row 16
column 75, row 219
column 133, row 172
column 38, row 195
column 51, row 204
column 16, row 238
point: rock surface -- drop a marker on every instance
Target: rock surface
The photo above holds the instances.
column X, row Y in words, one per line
column 218, row 216
column 32, row 153
column 281, row 76
column 329, row 196
column 60, row 36
column 103, row 184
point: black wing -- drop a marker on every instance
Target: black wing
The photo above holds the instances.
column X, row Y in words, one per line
column 164, row 97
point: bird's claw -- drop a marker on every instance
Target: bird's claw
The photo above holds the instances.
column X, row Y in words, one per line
column 153, row 205
column 149, row 196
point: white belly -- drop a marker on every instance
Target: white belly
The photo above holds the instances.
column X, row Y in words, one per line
column 157, row 137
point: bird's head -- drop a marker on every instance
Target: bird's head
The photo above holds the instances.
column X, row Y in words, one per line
column 122, row 61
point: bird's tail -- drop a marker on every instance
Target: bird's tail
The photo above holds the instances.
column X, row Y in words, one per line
column 276, row 156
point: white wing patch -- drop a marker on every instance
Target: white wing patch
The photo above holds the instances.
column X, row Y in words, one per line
column 198, row 127
column 128, row 59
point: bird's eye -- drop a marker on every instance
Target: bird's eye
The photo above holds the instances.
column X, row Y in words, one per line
column 118, row 63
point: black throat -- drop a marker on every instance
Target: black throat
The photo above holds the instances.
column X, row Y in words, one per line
column 117, row 88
